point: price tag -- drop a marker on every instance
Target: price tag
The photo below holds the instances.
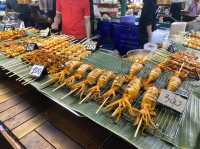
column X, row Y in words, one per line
column 37, row 71
column 8, row 27
column 183, row 93
column 45, row 32
column 31, row 47
column 91, row 45
column 172, row 48
column 172, row 101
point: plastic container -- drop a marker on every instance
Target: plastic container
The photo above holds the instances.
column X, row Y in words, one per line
column 105, row 31
column 125, row 37
column 127, row 19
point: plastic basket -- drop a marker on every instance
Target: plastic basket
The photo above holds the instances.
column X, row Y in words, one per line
column 125, row 37
column 105, row 31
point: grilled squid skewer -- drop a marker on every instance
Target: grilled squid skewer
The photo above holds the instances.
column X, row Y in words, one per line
column 174, row 83
column 81, row 86
column 137, row 66
column 69, row 68
column 78, row 74
column 146, row 114
column 131, row 93
column 154, row 75
column 102, row 81
column 111, row 93
column 135, row 69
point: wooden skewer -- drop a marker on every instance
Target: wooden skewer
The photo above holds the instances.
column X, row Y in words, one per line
column 101, row 106
column 45, row 83
column 57, row 88
column 138, row 128
column 181, row 68
column 84, row 99
column 13, row 64
column 22, row 77
column 19, row 68
column 29, row 82
column 8, row 63
column 71, row 92
column 18, row 64
column 25, row 81
column 17, row 73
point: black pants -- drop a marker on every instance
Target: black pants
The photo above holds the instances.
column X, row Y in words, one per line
column 143, row 39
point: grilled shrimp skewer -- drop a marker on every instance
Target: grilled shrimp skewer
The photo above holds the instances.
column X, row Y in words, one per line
column 147, row 111
column 90, row 80
column 130, row 94
column 102, row 81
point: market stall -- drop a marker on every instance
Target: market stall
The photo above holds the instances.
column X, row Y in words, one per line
column 148, row 97
column 157, row 92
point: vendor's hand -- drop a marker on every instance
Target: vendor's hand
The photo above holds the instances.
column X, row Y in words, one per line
column 49, row 20
column 106, row 17
column 54, row 26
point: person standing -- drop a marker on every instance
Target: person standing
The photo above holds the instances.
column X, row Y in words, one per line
column 147, row 21
column 194, row 9
column 75, row 17
column 47, row 7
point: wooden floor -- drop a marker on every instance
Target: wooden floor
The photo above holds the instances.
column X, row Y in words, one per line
column 40, row 124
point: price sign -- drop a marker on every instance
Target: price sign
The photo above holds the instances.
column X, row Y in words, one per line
column 37, row 71
column 172, row 48
column 45, row 33
column 8, row 27
column 91, row 45
column 183, row 93
column 31, row 47
column 172, row 101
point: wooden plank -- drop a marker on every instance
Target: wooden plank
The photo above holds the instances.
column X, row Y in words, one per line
column 81, row 130
column 29, row 126
column 57, row 138
column 14, row 111
column 35, row 141
column 21, row 118
column 10, row 103
column 4, row 91
column 6, row 97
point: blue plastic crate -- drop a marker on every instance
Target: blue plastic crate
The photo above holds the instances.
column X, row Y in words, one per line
column 125, row 37
column 105, row 31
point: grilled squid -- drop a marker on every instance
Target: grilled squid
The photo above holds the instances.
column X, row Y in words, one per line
column 91, row 79
column 174, row 83
column 80, row 72
column 146, row 113
column 130, row 94
column 102, row 81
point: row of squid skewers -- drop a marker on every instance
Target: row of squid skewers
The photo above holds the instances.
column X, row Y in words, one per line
column 116, row 93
